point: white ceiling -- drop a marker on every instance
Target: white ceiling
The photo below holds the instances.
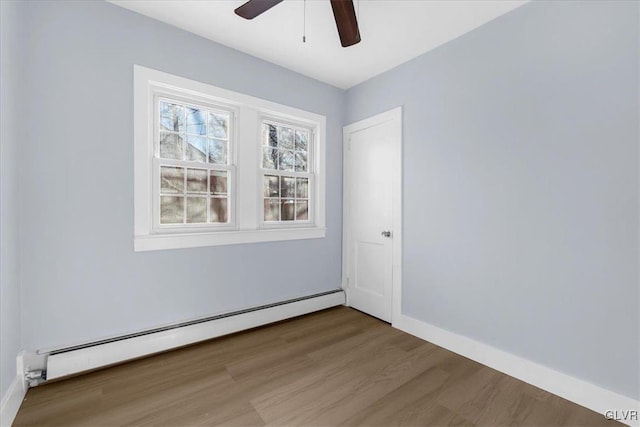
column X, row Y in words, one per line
column 392, row 31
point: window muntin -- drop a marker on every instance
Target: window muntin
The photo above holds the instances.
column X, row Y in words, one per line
column 193, row 164
column 286, row 174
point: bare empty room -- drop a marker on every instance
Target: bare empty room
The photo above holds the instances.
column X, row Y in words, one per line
column 320, row 212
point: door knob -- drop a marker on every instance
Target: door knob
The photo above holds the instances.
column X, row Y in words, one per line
column 386, row 234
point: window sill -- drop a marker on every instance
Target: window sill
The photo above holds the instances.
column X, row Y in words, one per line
column 157, row 242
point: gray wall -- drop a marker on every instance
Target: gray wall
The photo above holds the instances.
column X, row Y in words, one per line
column 521, row 185
column 80, row 276
column 10, row 325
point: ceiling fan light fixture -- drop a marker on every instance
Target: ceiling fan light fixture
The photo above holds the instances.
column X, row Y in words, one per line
column 343, row 12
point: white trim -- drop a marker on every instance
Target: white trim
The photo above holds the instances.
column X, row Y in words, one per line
column 73, row 362
column 246, row 151
column 155, row 242
column 578, row 391
column 11, row 402
column 396, row 165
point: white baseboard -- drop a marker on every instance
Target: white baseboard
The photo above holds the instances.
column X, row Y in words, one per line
column 11, row 402
column 75, row 361
column 578, row 391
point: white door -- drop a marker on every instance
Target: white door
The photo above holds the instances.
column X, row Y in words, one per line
column 370, row 178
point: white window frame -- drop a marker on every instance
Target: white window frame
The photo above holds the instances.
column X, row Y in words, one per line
column 310, row 174
column 246, row 208
column 203, row 104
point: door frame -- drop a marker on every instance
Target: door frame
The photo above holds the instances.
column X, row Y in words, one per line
column 394, row 115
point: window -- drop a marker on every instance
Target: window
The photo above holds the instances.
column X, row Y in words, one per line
column 286, row 173
column 215, row 167
column 192, row 147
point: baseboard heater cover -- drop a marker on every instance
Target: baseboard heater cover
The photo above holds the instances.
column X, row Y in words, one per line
column 73, row 360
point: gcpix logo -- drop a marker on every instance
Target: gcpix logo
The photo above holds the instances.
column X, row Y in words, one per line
column 622, row 415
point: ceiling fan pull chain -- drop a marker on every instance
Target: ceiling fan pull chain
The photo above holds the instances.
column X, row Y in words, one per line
column 304, row 22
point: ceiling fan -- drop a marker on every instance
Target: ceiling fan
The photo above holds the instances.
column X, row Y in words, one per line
column 343, row 12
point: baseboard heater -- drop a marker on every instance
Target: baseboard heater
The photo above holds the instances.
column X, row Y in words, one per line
column 63, row 362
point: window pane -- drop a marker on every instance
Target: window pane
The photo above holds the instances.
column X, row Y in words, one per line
column 171, row 210
column 171, row 180
column 196, row 122
column 269, row 135
column 171, row 146
column 196, row 210
column 287, row 186
column 171, row 117
column 302, row 140
column 301, row 161
column 196, row 181
column 270, row 158
column 196, row 148
column 219, row 183
column 271, row 209
column 218, row 151
column 271, row 186
column 287, row 208
column 218, row 125
column 302, row 210
column 219, row 210
column 285, row 160
column 302, row 188
column 285, row 137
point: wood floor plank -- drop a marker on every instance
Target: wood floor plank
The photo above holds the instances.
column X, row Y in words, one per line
column 392, row 408
column 275, row 376
column 472, row 396
column 334, row 367
column 44, row 409
column 261, row 360
column 304, row 402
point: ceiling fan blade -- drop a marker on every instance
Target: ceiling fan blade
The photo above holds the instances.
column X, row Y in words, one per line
column 253, row 8
column 345, row 15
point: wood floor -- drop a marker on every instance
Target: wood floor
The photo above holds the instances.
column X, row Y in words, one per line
column 335, row 367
